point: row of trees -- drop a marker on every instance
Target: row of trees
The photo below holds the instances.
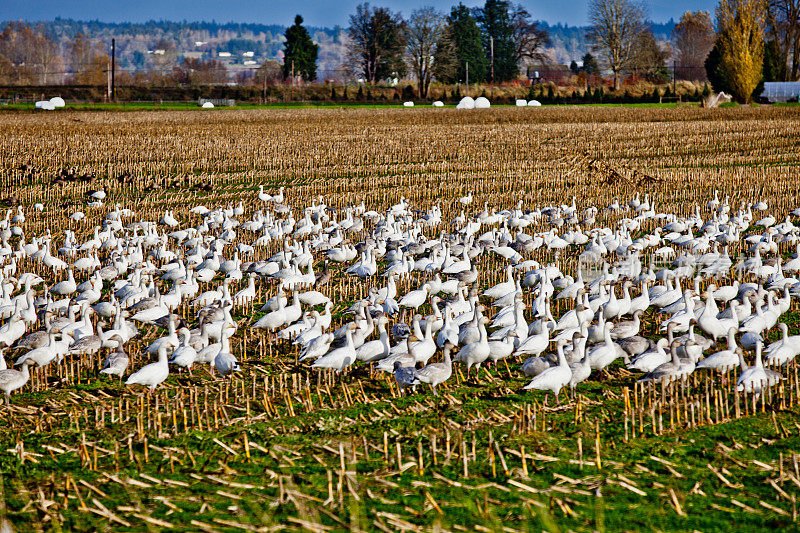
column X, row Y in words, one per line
column 749, row 42
column 487, row 43
column 29, row 57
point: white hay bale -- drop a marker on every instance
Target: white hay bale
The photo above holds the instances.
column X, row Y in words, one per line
column 438, row 103
column 534, row 103
column 466, row 103
column 45, row 105
column 408, row 104
column 482, row 103
column 207, row 105
column 57, row 101
column 522, row 103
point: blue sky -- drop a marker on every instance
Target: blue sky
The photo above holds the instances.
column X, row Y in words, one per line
column 315, row 12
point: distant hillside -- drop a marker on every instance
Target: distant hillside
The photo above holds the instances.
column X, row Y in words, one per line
column 158, row 44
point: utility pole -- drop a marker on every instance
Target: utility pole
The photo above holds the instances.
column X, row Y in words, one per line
column 491, row 51
column 467, row 78
column 674, row 79
column 264, row 95
column 108, row 82
column 113, row 94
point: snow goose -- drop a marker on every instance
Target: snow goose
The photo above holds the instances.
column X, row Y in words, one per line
column 117, row 362
column 435, row 374
column 11, row 380
column 606, row 353
column 651, row 359
column 501, row 289
column 676, row 368
column 339, row 358
column 317, row 347
column 537, row 343
column 755, row 378
column 152, row 375
column 500, row 349
column 723, row 360
column 784, row 350
column 66, row 287
column 623, row 330
column 414, row 299
column 184, row 355
column 553, row 379
column 475, row 353
column 225, row 363
column 44, row 355
column 581, row 369
column 378, row 349
column 405, row 376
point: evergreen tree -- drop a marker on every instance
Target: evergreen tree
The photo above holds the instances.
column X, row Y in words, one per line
column 714, row 73
column 299, row 51
column 590, row 65
column 494, row 19
column 463, row 46
column 772, row 62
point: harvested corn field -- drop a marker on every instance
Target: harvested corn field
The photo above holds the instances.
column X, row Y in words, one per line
column 505, row 320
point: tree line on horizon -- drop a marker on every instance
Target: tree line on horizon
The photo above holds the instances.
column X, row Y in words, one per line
column 748, row 42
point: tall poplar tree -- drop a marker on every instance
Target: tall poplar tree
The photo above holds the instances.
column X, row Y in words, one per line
column 740, row 41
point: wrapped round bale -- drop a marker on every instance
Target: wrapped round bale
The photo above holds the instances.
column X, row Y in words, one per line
column 408, row 104
column 57, row 101
column 438, row 103
column 522, row 103
column 466, row 103
column 482, row 103
column 534, row 103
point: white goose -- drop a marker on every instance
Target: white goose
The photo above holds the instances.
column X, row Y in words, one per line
column 11, row 380
column 152, row 375
column 554, row 378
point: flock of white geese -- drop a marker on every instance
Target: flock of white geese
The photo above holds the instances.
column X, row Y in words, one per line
column 130, row 273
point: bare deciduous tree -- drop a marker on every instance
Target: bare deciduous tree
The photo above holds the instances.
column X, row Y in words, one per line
column 693, row 37
column 377, row 38
column 529, row 39
column 88, row 61
column 424, row 31
column 783, row 19
column 615, row 27
column 32, row 56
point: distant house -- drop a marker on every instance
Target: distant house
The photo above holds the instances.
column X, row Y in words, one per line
column 780, row 91
column 224, row 54
column 558, row 74
column 248, row 54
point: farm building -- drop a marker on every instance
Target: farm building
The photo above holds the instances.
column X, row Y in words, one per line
column 549, row 73
column 780, row 91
